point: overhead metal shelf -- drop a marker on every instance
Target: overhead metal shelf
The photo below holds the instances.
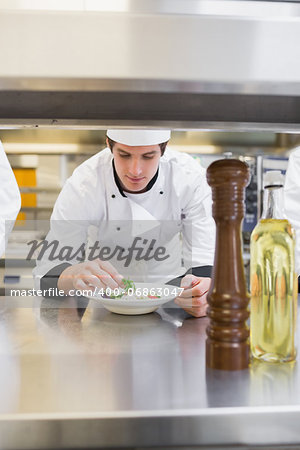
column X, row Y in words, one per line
column 153, row 67
column 102, row 109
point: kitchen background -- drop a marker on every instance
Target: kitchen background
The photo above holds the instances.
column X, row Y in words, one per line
column 229, row 73
column 43, row 159
column 70, row 68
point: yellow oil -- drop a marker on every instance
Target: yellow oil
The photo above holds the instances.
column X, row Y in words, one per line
column 273, row 291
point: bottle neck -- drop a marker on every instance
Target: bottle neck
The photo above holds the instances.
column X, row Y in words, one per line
column 273, row 203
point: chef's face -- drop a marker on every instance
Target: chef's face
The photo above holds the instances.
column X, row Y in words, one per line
column 136, row 166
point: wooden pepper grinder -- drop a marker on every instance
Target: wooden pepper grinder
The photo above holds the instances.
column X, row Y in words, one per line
column 227, row 344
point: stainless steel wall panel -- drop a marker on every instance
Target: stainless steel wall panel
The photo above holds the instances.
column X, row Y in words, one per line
column 140, row 46
column 78, row 66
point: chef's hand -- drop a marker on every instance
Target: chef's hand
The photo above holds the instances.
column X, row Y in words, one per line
column 97, row 273
column 193, row 298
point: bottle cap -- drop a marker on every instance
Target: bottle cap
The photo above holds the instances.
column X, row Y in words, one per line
column 273, row 178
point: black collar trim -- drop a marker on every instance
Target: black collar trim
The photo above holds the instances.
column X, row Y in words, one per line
column 117, row 181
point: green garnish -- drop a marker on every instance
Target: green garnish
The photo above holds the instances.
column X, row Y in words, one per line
column 128, row 284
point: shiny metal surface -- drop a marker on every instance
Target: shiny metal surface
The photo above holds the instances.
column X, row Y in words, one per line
column 210, row 7
column 149, row 47
column 146, row 85
column 77, row 376
column 87, row 124
column 159, row 110
column 137, row 68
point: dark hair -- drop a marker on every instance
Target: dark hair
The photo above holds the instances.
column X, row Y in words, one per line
column 162, row 146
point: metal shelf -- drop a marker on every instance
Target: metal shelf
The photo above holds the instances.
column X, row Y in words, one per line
column 39, row 190
column 36, row 208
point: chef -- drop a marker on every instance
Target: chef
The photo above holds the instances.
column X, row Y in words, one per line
column 144, row 209
column 10, row 200
column 292, row 200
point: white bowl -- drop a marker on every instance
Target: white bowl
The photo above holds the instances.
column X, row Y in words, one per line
column 136, row 306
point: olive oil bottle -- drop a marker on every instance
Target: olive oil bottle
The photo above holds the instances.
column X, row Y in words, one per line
column 273, row 279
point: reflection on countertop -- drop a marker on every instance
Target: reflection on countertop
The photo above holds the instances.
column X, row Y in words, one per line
column 67, row 356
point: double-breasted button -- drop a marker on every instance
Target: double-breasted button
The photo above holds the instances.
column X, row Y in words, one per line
column 161, row 192
column 113, row 196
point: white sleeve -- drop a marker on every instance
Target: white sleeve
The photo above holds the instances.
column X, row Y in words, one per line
column 10, row 199
column 69, row 224
column 292, row 199
column 198, row 232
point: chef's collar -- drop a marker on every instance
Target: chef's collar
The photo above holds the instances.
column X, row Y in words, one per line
column 118, row 183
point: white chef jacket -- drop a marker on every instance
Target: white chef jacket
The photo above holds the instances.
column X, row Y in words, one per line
column 10, row 199
column 292, row 198
column 176, row 211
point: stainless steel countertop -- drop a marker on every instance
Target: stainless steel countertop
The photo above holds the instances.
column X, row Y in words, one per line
column 73, row 375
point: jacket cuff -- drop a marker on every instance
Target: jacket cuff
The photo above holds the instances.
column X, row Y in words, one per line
column 49, row 281
column 200, row 271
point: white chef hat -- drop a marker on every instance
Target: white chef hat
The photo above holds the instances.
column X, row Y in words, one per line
column 139, row 137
